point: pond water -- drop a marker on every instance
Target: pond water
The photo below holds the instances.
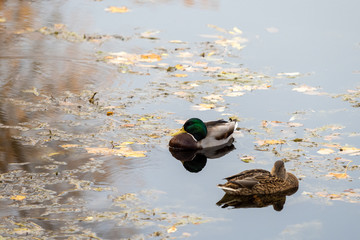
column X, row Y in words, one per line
column 91, row 91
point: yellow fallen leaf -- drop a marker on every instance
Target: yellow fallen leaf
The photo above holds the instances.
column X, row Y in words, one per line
column 69, row 145
column 90, row 218
column 270, row 142
column 151, row 56
column 2, row 19
column 110, row 113
column 179, row 67
column 53, row 154
column 18, row 197
column 333, row 195
column 338, row 175
column 117, row 9
column 181, row 75
column 153, row 135
column 172, row 229
column 211, row 53
column 325, row 151
column 34, row 91
column 136, row 154
column 122, row 151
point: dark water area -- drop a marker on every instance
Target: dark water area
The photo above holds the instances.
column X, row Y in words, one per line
column 90, row 96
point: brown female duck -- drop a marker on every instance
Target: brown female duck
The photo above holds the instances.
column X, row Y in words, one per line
column 259, row 181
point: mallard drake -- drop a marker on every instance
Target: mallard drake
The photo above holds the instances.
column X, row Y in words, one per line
column 260, row 181
column 196, row 134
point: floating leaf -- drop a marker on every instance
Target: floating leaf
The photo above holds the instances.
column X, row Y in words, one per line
column 110, row 113
column 294, row 124
column 33, row 91
column 179, row 67
column 289, row 74
column 325, row 151
column 338, row 175
column 53, row 154
column 247, row 159
column 176, row 41
column 143, row 119
column 128, row 125
column 18, row 197
column 297, row 140
column 69, row 145
column 149, row 35
column 172, row 229
column 270, row 142
column 350, row 150
column 123, row 151
column 150, row 57
column 117, row 9
column 307, row 90
column 181, row 75
column 304, row 88
column 235, row 94
column 203, row 107
column 153, row 135
column 213, row 98
column 237, row 30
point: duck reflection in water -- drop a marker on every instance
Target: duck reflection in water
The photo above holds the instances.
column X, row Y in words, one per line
column 255, row 201
column 195, row 160
column 259, row 187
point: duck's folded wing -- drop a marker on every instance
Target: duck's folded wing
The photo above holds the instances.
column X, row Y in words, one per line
column 249, row 173
column 245, row 183
column 220, row 129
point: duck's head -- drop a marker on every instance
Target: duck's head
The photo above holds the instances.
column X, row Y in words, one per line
column 279, row 170
column 195, row 127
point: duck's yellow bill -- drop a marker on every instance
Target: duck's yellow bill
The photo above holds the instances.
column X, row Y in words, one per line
column 182, row 130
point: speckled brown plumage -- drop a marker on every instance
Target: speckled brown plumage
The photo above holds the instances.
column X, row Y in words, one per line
column 259, row 181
